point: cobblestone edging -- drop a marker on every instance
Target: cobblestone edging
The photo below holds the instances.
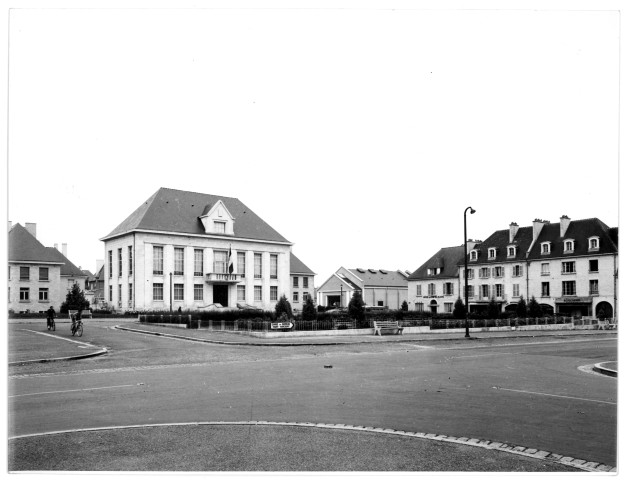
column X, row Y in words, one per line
column 581, row 464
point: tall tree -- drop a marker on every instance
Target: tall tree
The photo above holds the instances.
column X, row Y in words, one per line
column 521, row 308
column 493, row 308
column 356, row 307
column 283, row 307
column 75, row 300
column 533, row 308
column 459, row 310
column 309, row 312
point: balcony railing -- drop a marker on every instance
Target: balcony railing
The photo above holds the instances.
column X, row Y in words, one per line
column 223, row 277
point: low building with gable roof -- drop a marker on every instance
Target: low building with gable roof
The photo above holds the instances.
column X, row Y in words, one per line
column 378, row 287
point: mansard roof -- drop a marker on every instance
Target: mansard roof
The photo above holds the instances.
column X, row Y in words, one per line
column 298, row 267
column 579, row 231
column 24, row 247
column 447, row 259
column 177, row 211
column 500, row 241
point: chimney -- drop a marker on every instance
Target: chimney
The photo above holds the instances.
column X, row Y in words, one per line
column 10, row 225
column 564, row 224
column 64, row 249
column 31, row 228
column 514, row 227
column 537, row 227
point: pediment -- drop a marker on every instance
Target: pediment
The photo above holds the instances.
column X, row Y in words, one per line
column 217, row 219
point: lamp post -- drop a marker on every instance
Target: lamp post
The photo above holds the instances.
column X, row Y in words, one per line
column 466, row 276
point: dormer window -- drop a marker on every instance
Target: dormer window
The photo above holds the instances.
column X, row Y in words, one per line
column 569, row 246
column 593, row 244
column 220, row 227
column 492, row 253
column 511, row 252
column 473, row 255
column 434, row 271
column 545, row 248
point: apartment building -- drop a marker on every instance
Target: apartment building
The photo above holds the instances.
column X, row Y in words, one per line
column 192, row 250
column 435, row 286
column 378, row 287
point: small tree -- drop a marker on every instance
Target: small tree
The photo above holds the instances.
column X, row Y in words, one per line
column 493, row 308
column 309, row 312
column 283, row 307
column 75, row 300
column 356, row 307
column 533, row 308
column 459, row 310
column 404, row 306
column 521, row 308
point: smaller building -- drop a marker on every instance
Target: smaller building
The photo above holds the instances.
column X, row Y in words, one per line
column 378, row 287
column 302, row 283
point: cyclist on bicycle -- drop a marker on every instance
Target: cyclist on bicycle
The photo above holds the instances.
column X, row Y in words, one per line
column 51, row 314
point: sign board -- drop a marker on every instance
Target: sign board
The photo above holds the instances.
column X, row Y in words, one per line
column 574, row 300
column 276, row 326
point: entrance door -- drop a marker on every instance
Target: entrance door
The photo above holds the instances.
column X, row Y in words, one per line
column 220, row 295
column 433, row 306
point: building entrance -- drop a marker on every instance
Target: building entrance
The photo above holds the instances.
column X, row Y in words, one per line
column 220, row 295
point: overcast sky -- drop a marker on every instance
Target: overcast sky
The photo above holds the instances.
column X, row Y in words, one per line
column 360, row 135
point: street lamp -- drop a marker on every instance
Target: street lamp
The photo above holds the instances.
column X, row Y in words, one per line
column 466, row 276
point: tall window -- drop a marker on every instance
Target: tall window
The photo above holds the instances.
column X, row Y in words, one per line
column 448, row 288
column 240, row 293
column 44, row 274
column 258, row 293
column 515, row 289
column 305, row 296
column 273, row 293
column 568, row 246
column 492, row 253
column 157, row 291
column 198, row 292
column 198, row 263
column 220, row 261
column 545, row 248
column 499, row 290
column 593, row 244
column 305, row 282
column 157, row 262
column 485, row 291
column 178, row 291
column 448, row 307
column 470, row 274
column 419, row 290
column 568, row 288
column 511, row 251
column 418, row 307
column 110, row 263
column 593, row 265
column 24, row 273
column 273, row 266
column 258, row 265
column 295, row 297
column 544, row 289
column 544, row 269
column 43, row 294
column 498, row 272
column 473, row 255
column 129, row 292
column 470, row 291
column 594, row 287
column 129, row 260
column 24, row 294
column 295, row 282
column 119, row 262
column 241, row 264
column 484, row 272
column 517, row 270
column 431, row 289
column 568, row 267
column 110, row 293
column 178, row 261
column 119, row 294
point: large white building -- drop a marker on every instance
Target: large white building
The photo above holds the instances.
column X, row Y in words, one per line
column 191, row 250
column 570, row 267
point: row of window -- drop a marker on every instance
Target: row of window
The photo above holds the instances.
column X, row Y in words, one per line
column 569, row 288
column 25, row 294
column 447, row 307
column 567, row 267
column 44, row 273
column 296, row 282
column 448, row 289
column 545, row 248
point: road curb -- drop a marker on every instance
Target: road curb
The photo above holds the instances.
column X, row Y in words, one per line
column 600, row 368
column 58, row 359
column 535, row 453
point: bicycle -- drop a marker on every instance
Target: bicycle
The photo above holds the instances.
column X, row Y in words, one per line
column 51, row 324
column 77, row 327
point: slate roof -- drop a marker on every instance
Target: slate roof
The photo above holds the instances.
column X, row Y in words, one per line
column 297, row 266
column 68, row 268
column 579, row 231
column 501, row 240
column 446, row 258
column 23, row 247
column 178, row 211
column 380, row 277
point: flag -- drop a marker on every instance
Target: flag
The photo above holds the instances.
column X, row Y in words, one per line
column 230, row 261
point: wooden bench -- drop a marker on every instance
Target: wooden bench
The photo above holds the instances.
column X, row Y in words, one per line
column 607, row 324
column 385, row 325
column 86, row 314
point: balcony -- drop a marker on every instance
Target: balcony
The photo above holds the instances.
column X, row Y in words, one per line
column 223, row 277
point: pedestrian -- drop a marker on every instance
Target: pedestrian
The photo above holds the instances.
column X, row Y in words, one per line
column 50, row 315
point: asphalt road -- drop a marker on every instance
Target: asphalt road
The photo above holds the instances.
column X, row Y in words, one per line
column 518, row 391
